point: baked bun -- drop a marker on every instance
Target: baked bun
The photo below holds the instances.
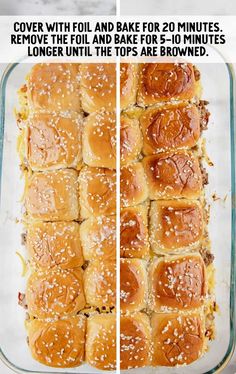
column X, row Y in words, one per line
column 128, row 84
column 173, row 175
column 55, row 294
column 98, row 87
column 98, row 238
column 175, row 225
column 178, row 283
column 133, row 185
column 101, row 341
column 134, row 241
column 53, row 196
column 133, row 285
column 130, row 140
column 159, row 82
column 100, row 284
column 178, row 339
column 97, row 192
column 99, row 140
column 170, row 127
column 59, row 343
column 53, row 141
column 54, row 244
column 135, row 341
column 54, row 88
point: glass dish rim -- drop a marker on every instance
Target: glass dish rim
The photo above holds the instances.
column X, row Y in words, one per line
column 231, row 346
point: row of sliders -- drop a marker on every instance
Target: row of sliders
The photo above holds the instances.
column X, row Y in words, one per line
column 67, row 148
column 166, row 271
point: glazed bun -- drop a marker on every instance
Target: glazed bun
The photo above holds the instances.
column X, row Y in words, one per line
column 134, row 241
column 99, row 140
column 55, row 294
column 100, row 284
column 133, row 285
column 173, row 175
column 101, row 341
column 98, row 238
column 178, row 283
column 128, row 84
column 98, row 87
column 170, row 127
column 133, row 185
column 178, row 339
column 161, row 82
column 52, row 196
column 97, row 192
column 54, row 88
column 53, row 141
column 135, row 341
column 54, row 244
column 175, row 225
column 59, row 343
column 130, row 140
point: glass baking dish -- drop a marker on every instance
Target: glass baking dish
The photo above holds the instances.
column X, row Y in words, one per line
column 217, row 82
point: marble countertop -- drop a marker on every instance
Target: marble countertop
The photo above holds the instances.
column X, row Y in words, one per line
column 57, row 7
column 180, row 7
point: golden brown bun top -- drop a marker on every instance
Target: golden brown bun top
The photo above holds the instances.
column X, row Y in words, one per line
column 97, row 191
column 56, row 293
column 128, row 84
column 98, row 238
column 178, row 338
column 100, row 283
column 174, row 174
column 54, row 87
column 132, row 281
column 53, row 141
column 53, row 195
column 177, row 223
column 133, row 232
column 100, row 140
column 179, row 281
column 101, row 341
column 133, row 185
column 165, row 81
column 58, row 344
column 171, row 127
column 130, row 139
column 135, row 341
column 98, row 86
column 53, row 244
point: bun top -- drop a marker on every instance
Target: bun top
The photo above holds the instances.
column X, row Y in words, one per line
column 99, row 140
column 128, row 84
column 53, row 195
column 101, row 341
column 171, row 127
column 135, row 341
column 54, row 87
column 165, row 81
column 58, row 343
column 178, row 282
column 173, row 174
column 98, row 87
column 178, row 338
column 55, row 294
column 53, row 141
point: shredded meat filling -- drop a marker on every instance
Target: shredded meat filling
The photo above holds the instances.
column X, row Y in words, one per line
column 22, row 300
column 207, row 256
column 204, row 114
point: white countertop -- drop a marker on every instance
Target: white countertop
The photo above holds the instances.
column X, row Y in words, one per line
column 180, row 7
column 57, row 7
